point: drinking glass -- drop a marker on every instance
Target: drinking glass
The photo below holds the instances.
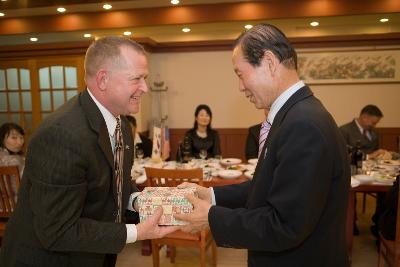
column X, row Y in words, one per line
column 203, row 154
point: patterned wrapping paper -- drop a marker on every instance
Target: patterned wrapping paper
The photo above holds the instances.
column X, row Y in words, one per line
column 171, row 199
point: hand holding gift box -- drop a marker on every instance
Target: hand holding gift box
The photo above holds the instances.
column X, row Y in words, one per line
column 171, row 199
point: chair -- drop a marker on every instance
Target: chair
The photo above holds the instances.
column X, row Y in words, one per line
column 389, row 250
column 201, row 240
column 8, row 196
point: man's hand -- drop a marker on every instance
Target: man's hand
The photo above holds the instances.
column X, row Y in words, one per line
column 198, row 219
column 149, row 229
column 203, row 193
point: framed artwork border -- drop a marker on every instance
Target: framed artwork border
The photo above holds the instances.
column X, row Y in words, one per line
column 349, row 66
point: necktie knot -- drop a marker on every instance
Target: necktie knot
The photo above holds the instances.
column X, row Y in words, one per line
column 266, row 125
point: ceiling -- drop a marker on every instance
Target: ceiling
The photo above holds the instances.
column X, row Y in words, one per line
column 209, row 20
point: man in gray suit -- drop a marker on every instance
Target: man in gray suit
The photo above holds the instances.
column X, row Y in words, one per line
column 362, row 130
column 74, row 191
column 293, row 212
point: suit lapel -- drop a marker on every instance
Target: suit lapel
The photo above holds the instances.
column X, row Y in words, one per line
column 301, row 94
column 98, row 124
column 128, row 146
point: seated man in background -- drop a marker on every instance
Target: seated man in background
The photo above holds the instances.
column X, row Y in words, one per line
column 362, row 130
column 252, row 141
column 140, row 141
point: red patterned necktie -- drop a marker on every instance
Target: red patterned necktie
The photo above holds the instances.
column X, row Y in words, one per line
column 265, row 126
column 118, row 165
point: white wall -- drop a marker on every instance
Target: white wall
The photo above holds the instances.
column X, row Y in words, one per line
column 207, row 78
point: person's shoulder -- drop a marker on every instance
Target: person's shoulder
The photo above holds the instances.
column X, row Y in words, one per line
column 346, row 125
column 213, row 132
column 144, row 138
column 190, row 132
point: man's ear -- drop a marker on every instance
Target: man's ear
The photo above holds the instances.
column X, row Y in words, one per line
column 102, row 79
column 270, row 61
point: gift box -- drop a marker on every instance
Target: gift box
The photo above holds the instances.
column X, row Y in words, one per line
column 171, row 199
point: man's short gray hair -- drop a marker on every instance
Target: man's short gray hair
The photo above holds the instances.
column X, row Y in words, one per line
column 106, row 50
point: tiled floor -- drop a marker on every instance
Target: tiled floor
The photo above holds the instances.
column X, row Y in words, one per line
column 364, row 250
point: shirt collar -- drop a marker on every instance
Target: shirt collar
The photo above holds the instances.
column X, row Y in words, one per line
column 110, row 120
column 281, row 100
column 359, row 126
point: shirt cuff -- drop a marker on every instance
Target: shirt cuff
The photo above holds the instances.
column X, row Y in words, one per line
column 131, row 233
column 130, row 202
column 213, row 201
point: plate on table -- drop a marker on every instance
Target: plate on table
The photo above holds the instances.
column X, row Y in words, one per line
column 354, row 182
column 364, row 179
column 390, row 162
column 253, row 161
column 249, row 174
column 247, row 167
column 383, row 179
column 229, row 174
column 230, row 161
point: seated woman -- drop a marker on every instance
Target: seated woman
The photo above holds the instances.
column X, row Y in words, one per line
column 141, row 142
column 11, row 148
column 202, row 136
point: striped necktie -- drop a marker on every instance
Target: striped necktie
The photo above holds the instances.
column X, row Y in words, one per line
column 366, row 134
column 118, row 166
column 265, row 126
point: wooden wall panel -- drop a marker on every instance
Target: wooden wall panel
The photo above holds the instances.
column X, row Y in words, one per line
column 389, row 138
column 233, row 140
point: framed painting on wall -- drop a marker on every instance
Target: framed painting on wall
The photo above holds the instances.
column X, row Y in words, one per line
column 374, row 66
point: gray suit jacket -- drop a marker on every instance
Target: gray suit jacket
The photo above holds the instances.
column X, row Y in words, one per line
column 352, row 134
column 67, row 201
column 293, row 212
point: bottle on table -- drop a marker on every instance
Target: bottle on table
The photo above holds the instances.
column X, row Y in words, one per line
column 358, row 156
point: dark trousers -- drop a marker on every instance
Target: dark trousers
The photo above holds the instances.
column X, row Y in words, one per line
column 110, row 260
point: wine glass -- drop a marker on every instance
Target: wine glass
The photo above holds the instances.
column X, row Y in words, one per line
column 203, row 154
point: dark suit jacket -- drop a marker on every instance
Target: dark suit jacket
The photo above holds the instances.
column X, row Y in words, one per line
column 67, row 201
column 251, row 150
column 352, row 134
column 293, row 212
column 146, row 145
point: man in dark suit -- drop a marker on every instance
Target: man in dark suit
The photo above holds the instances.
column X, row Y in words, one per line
column 253, row 136
column 362, row 130
column 252, row 140
column 293, row 212
column 141, row 142
column 74, row 190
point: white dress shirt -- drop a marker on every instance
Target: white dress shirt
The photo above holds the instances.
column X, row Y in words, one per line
column 111, row 123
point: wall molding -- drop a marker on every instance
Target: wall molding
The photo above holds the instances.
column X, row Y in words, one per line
column 190, row 14
column 79, row 48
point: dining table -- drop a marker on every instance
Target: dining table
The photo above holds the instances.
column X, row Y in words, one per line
column 377, row 173
column 376, row 176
